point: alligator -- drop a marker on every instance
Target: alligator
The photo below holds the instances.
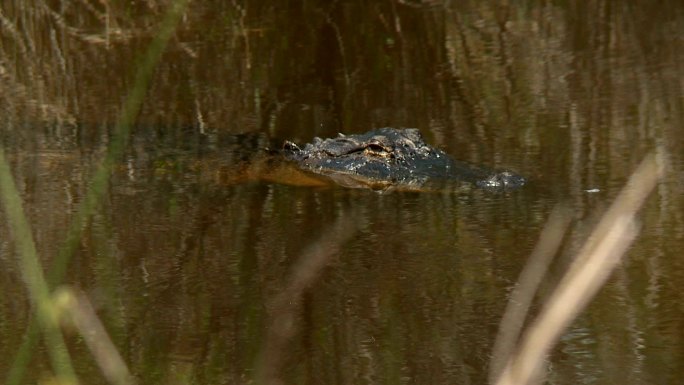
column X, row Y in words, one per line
column 387, row 159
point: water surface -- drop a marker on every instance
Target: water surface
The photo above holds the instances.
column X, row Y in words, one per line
column 186, row 257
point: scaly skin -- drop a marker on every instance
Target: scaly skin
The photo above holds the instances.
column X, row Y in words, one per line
column 389, row 158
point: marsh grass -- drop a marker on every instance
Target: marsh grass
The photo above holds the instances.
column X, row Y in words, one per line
column 38, row 286
column 77, row 311
column 34, row 279
column 287, row 305
column 601, row 253
column 522, row 295
column 518, row 354
column 513, row 354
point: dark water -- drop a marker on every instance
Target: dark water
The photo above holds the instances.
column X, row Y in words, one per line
column 187, row 260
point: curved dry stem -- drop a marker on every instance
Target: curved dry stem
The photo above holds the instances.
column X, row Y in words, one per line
column 283, row 325
column 521, row 298
column 600, row 255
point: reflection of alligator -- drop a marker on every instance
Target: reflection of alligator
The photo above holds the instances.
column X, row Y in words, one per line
column 389, row 158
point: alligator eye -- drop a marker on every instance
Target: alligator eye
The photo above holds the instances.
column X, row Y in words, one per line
column 377, row 149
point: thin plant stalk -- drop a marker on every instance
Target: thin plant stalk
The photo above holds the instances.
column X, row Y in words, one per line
column 76, row 308
column 596, row 260
column 522, row 295
column 32, row 274
column 98, row 184
column 285, row 306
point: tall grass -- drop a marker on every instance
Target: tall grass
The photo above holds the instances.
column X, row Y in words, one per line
column 40, row 288
column 34, row 279
column 593, row 265
column 480, row 100
column 285, row 307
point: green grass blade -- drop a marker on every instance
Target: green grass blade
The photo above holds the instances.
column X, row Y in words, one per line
column 94, row 194
column 32, row 274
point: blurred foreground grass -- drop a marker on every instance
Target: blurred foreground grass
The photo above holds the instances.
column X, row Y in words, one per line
column 39, row 289
column 591, row 268
column 479, row 100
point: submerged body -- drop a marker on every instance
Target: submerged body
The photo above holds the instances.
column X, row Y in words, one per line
column 389, row 158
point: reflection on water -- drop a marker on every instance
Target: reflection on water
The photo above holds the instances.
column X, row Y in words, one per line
column 188, row 254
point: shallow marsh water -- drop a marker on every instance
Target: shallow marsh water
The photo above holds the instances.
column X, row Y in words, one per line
column 186, row 256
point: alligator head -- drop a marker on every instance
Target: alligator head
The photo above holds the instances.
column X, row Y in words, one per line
column 387, row 158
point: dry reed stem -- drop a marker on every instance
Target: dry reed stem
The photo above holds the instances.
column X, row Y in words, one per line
column 286, row 306
column 32, row 272
column 522, row 295
column 79, row 311
column 599, row 256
